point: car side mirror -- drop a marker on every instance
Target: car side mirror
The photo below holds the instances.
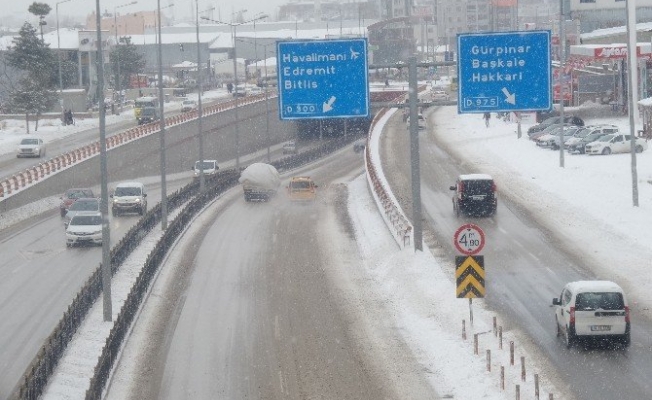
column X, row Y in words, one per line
column 144, row 194
column 556, row 302
column 452, row 188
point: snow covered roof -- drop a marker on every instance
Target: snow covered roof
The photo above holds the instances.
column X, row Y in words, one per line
column 618, row 30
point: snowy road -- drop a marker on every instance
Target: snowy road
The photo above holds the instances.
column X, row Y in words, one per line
column 262, row 309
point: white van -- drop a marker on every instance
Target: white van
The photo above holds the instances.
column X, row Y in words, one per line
column 595, row 310
column 209, row 167
column 129, row 197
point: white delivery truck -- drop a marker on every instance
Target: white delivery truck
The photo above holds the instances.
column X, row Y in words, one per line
column 259, row 182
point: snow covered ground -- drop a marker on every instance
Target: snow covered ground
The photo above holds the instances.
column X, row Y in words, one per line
column 589, row 200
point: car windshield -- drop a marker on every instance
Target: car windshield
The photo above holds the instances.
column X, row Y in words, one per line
column 204, row 165
column 77, row 194
column 606, row 138
column 82, row 205
column 128, row 191
column 29, row 141
column 592, row 137
column 86, row 220
column 589, row 301
column 150, row 112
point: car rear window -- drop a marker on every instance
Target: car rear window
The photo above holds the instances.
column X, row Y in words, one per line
column 301, row 185
column 85, row 206
column 477, row 187
column 589, row 301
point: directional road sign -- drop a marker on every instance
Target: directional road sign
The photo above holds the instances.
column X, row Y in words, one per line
column 469, row 277
column 469, row 239
column 323, row 79
column 504, row 71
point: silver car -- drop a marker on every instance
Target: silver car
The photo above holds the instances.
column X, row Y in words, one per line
column 31, row 147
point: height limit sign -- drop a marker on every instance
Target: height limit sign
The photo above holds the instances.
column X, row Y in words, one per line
column 469, row 239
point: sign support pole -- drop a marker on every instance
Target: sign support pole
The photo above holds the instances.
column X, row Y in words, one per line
column 414, row 154
column 471, row 312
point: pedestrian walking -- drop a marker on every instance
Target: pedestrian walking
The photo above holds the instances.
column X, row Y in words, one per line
column 486, row 117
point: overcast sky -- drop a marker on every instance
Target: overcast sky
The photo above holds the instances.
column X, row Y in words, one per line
column 182, row 9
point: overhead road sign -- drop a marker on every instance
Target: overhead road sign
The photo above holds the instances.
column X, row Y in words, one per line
column 504, row 71
column 320, row 79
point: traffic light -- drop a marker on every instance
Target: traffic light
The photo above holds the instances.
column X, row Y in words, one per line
column 180, row 46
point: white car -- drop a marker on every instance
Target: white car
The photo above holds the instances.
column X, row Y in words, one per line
column 573, row 142
column 209, row 167
column 615, row 143
column 595, row 310
column 290, row 147
column 439, row 95
column 84, row 228
column 421, row 120
column 188, row 105
column 31, row 147
column 551, row 140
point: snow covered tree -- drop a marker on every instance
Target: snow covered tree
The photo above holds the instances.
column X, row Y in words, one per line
column 41, row 10
column 37, row 64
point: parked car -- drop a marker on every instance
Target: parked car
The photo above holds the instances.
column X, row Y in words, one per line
column 475, row 195
column 188, row 105
column 439, row 95
column 70, row 196
column 81, row 206
column 129, row 197
column 84, row 228
column 569, row 119
column 302, row 188
column 592, row 310
column 148, row 115
column 577, row 140
column 551, row 140
column 552, row 129
column 615, row 143
column 209, row 167
column 31, row 147
column 580, row 147
column 290, row 147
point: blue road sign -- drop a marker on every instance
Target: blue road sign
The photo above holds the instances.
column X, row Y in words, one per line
column 322, row 79
column 504, row 71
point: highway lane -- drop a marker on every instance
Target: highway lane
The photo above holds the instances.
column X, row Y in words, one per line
column 39, row 277
column 259, row 309
column 526, row 266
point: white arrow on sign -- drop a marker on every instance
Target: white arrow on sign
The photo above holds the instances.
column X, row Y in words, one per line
column 511, row 97
column 328, row 105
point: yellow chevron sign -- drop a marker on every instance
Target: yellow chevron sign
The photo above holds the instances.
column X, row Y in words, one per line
column 469, row 275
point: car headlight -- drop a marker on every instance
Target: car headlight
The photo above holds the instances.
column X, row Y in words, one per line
column 137, row 200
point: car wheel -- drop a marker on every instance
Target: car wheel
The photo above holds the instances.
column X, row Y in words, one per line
column 557, row 326
column 114, row 212
column 68, row 245
column 63, row 212
column 626, row 340
column 606, row 151
column 638, row 149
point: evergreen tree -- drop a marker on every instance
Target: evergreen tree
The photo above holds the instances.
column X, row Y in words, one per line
column 34, row 92
column 131, row 61
column 41, row 10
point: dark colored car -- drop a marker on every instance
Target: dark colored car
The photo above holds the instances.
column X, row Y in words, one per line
column 475, row 195
column 148, row 115
column 569, row 119
column 70, row 196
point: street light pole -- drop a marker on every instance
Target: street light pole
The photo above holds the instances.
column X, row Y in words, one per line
column 104, row 202
column 59, row 59
column 199, row 108
column 235, row 78
column 164, row 197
